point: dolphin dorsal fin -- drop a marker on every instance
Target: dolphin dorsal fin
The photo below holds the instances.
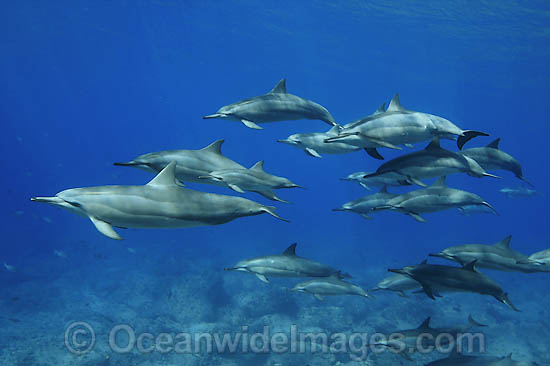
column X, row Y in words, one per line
column 380, row 109
column 425, row 324
column 384, row 189
column 259, row 166
column 470, row 266
column 434, row 144
column 280, row 88
column 440, row 182
column 395, row 104
column 215, row 147
column 494, row 144
column 166, row 177
column 335, row 129
column 504, row 243
column 290, row 251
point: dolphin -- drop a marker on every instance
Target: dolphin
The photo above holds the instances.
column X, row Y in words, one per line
column 409, row 339
column 389, row 179
column 491, row 157
column 365, row 205
column 437, row 197
column 9, row 267
column 435, row 278
column 397, row 283
column 277, row 105
column 190, row 164
column 541, row 258
column 255, row 179
column 398, row 126
column 519, row 192
column 330, row 286
column 433, row 161
column 314, row 143
column 457, row 359
column 498, row 256
column 287, row 264
column 161, row 203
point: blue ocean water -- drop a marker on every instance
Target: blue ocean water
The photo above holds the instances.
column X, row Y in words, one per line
column 88, row 83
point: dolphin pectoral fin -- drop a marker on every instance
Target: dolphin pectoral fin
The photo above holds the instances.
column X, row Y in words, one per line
column 105, row 228
column 318, row 297
column 467, row 136
column 364, row 186
column 271, row 210
column 312, row 152
column 416, row 181
column 374, row 153
column 410, row 146
column 417, row 217
column 251, row 124
column 472, row 322
column 429, row 291
column 402, row 294
column 365, row 216
column 180, row 183
column 270, row 195
column 236, row 188
column 382, row 143
column 262, row 278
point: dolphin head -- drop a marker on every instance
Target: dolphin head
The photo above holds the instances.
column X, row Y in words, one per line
column 241, row 266
column 446, row 254
column 299, row 288
column 294, row 140
column 68, row 199
column 225, row 112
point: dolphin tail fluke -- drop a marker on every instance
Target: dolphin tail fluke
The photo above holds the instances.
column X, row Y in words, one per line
column 473, row 323
column 467, row 136
column 271, row 210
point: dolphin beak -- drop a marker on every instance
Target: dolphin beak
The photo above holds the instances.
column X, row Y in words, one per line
column 440, row 255
column 130, row 163
column 491, row 175
column 50, row 200
column 215, row 115
column 339, row 209
column 507, row 302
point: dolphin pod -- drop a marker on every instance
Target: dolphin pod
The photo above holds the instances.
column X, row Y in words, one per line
column 164, row 203
column 161, row 203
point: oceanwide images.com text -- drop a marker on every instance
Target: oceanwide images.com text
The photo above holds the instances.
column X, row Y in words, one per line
column 81, row 338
